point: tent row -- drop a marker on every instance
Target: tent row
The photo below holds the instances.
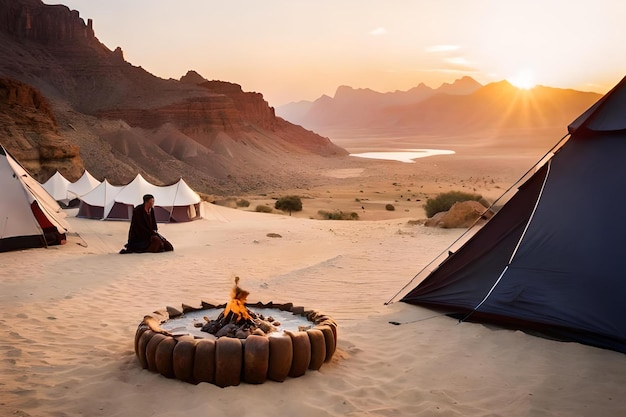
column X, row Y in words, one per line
column 102, row 200
column 173, row 203
column 29, row 216
column 66, row 192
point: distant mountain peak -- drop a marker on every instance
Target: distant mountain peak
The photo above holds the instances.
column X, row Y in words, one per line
column 464, row 85
column 192, row 77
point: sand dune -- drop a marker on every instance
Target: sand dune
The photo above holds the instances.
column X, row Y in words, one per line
column 70, row 314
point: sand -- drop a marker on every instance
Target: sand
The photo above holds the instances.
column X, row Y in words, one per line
column 69, row 313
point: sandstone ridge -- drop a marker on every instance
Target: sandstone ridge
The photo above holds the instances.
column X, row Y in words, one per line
column 29, row 130
column 119, row 119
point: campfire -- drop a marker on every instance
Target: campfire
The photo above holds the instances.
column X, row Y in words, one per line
column 185, row 344
column 237, row 320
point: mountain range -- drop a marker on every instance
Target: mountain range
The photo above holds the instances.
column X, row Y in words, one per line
column 462, row 106
column 67, row 102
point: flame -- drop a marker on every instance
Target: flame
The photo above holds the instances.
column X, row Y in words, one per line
column 237, row 303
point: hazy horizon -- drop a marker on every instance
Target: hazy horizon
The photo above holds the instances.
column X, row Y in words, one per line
column 294, row 50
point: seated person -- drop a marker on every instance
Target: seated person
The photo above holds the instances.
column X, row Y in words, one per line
column 143, row 235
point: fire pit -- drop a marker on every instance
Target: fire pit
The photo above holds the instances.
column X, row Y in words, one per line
column 225, row 344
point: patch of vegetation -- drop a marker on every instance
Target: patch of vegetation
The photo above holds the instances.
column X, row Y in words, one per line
column 232, row 202
column 389, row 207
column 289, row 203
column 206, row 197
column 444, row 201
column 242, row 202
column 337, row 215
column 262, row 208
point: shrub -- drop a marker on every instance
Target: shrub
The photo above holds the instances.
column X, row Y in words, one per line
column 443, row 201
column 242, row 202
column 262, row 208
column 337, row 215
column 289, row 203
column 390, row 207
column 226, row 202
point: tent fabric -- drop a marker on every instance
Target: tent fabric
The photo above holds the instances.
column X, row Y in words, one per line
column 173, row 203
column 606, row 115
column 29, row 216
column 64, row 191
column 82, row 186
column 97, row 203
column 56, row 186
column 551, row 259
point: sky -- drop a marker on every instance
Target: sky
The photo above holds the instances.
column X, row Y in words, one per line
column 292, row 50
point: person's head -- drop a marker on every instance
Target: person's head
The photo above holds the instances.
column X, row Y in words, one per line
column 148, row 200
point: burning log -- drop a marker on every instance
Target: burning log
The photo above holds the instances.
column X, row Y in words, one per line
column 237, row 320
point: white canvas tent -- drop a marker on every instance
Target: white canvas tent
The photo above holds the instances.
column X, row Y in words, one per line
column 56, row 186
column 173, row 203
column 82, row 186
column 97, row 203
column 65, row 191
column 29, row 215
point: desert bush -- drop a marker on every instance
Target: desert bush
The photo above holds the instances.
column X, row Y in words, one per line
column 289, row 203
column 390, row 207
column 337, row 215
column 230, row 202
column 262, row 208
column 242, row 202
column 443, row 201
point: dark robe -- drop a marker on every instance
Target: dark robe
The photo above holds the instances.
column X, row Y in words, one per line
column 143, row 231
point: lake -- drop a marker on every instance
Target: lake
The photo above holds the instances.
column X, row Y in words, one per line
column 405, row 155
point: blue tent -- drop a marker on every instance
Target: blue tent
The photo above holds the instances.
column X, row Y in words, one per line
column 553, row 258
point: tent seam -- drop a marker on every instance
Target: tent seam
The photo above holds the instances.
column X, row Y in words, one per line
column 506, row 268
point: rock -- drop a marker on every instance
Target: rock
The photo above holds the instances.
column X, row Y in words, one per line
column 30, row 132
column 462, row 215
column 242, row 334
column 435, row 220
column 228, row 330
column 192, row 77
column 266, row 327
column 44, row 23
column 173, row 312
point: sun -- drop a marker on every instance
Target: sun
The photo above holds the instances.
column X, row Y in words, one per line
column 523, row 79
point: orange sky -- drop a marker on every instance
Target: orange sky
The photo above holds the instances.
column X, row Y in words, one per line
column 291, row 50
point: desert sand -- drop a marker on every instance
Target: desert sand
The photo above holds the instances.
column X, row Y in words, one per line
column 69, row 315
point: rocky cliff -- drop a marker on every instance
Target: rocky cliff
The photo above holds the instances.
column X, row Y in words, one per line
column 125, row 120
column 29, row 130
column 30, row 19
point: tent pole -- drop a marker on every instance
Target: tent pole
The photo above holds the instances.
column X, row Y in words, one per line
column 174, row 202
column 104, row 205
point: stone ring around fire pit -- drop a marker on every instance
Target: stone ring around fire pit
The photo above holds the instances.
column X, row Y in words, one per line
column 226, row 361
